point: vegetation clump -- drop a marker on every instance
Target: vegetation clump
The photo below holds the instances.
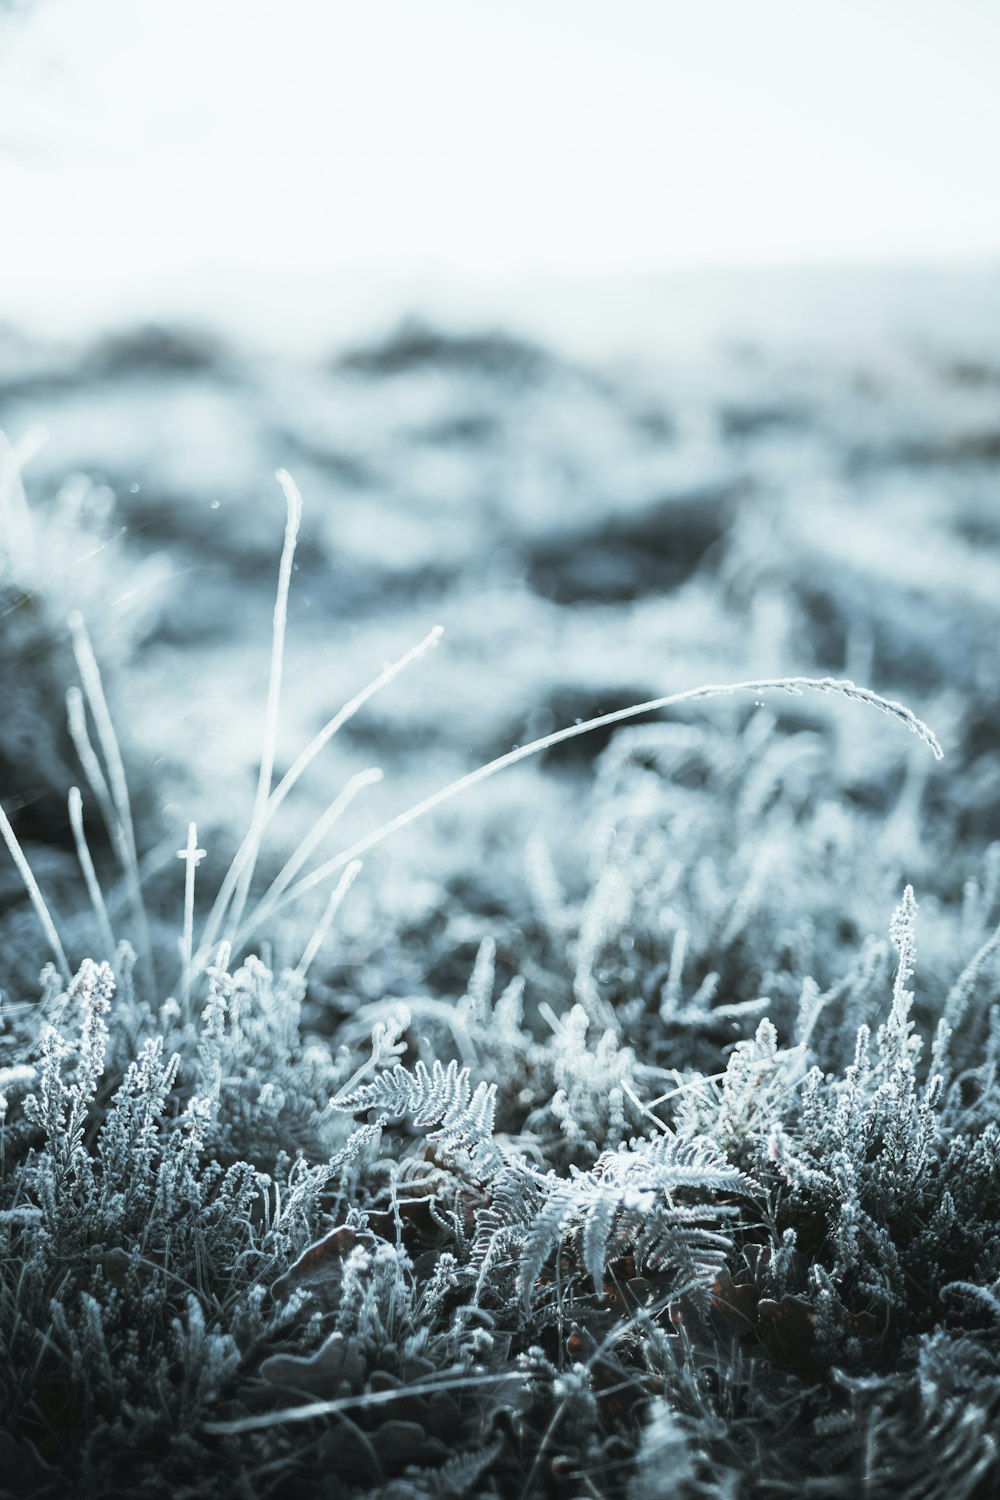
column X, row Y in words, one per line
column 690, row 1188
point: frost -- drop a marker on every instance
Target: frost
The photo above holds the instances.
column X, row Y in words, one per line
column 633, row 1128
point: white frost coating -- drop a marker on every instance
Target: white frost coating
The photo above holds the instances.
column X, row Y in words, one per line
column 192, row 857
column 124, row 836
column 323, row 926
column 303, row 761
column 94, row 891
column 17, row 532
column 76, row 718
column 37, row 899
column 795, row 685
column 323, row 824
column 246, row 860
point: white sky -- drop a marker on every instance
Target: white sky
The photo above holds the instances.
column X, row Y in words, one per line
column 493, row 137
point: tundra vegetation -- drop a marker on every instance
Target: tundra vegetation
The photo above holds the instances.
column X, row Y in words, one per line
column 631, row 1128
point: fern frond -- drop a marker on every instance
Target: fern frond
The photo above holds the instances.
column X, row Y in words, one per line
column 626, row 1205
column 545, row 1234
column 438, row 1096
column 517, row 1195
column 428, row 1094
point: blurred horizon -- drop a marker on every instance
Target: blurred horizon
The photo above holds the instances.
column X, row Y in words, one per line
column 865, row 310
column 302, row 175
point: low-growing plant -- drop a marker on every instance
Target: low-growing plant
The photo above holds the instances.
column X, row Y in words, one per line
column 685, row 1234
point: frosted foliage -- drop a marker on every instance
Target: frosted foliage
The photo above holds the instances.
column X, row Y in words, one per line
column 598, row 1095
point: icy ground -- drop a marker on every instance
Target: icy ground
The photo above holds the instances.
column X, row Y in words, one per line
column 722, row 1205
column 588, row 534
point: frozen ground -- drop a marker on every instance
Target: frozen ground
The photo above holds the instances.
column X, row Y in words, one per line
column 589, row 535
column 684, row 910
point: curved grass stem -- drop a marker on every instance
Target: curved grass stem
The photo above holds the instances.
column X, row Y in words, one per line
column 795, row 685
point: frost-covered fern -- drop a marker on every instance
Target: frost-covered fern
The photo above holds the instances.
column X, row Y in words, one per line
column 683, row 1180
column 440, row 1096
column 660, row 1203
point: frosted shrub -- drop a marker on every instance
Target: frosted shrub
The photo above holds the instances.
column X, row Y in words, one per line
column 600, row 1245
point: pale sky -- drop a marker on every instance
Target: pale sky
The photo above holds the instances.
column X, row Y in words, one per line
column 404, row 137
